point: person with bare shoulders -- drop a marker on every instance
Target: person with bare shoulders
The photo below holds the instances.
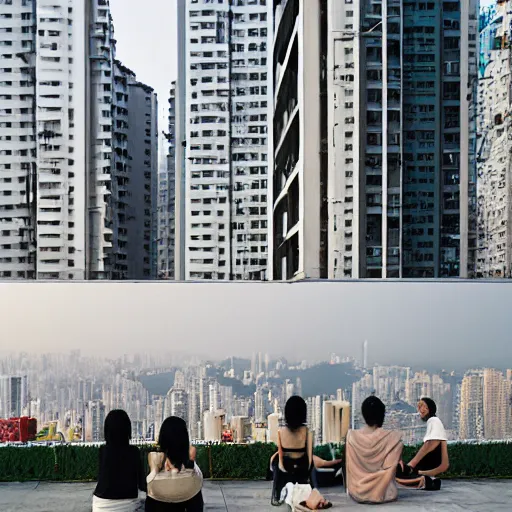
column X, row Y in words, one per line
column 293, row 461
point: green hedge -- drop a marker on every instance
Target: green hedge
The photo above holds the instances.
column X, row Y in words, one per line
column 248, row 462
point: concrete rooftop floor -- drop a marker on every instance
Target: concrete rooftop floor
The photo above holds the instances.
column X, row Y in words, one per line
column 475, row 495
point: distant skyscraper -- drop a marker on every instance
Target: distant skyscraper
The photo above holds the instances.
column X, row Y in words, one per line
column 471, row 415
column 418, row 386
column 495, row 404
column 390, row 382
column 179, row 380
column 365, row 354
column 298, row 386
column 360, row 390
column 13, row 396
column 259, row 406
column 254, row 365
column 94, row 421
column 226, row 401
column 215, row 399
column 179, row 403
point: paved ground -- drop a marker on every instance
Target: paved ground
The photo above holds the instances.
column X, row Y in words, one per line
column 470, row 496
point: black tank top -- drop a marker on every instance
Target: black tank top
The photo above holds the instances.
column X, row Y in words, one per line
column 296, row 464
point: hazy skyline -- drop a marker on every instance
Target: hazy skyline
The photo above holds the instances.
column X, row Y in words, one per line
column 449, row 325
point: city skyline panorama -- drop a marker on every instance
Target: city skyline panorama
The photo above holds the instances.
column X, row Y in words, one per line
column 303, row 321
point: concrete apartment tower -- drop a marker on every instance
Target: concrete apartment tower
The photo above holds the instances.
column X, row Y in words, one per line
column 494, row 144
column 42, row 140
column 221, row 125
column 375, row 174
column 64, row 163
column 471, row 415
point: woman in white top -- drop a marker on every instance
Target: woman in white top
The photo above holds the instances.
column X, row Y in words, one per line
column 432, row 458
column 175, row 480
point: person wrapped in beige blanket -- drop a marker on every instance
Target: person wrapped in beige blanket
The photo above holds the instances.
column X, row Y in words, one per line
column 372, row 455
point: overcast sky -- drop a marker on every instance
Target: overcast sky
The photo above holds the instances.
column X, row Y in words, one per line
column 449, row 325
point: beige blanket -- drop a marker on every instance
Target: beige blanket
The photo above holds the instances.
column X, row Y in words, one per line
column 372, row 457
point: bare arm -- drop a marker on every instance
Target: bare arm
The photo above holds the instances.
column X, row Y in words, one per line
column 192, row 453
column 445, row 463
column 321, row 463
column 427, row 447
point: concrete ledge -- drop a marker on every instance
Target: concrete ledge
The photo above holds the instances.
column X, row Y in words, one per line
column 456, row 495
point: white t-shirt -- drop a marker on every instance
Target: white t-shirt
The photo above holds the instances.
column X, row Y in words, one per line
column 435, row 430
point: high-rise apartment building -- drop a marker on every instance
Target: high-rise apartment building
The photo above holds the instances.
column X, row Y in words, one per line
column 496, row 402
column 43, row 140
column 388, row 188
column 402, row 138
column 223, row 52
column 142, row 183
column 166, row 239
column 259, row 406
column 361, row 390
column 298, row 142
column 485, row 405
column 64, row 162
column 314, row 418
column 94, row 421
column 471, row 409
column 494, row 155
column 178, row 403
column 390, row 382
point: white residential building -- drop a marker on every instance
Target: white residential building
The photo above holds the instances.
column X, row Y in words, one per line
column 225, row 156
column 64, row 176
column 42, row 139
column 494, row 155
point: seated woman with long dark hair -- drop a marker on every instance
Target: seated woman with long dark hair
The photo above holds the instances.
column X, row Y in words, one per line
column 175, row 481
column 294, row 459
column 121, row 474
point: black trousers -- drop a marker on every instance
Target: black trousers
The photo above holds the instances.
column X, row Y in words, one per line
column 196, row 504
column 280, row 478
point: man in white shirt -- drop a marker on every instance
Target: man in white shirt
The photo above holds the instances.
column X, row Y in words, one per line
column 432, row 458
